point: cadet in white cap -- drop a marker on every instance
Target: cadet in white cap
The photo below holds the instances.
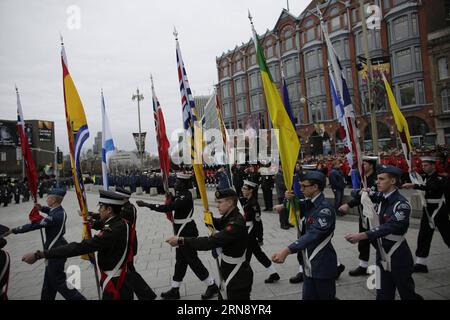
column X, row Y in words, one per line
column 435, row 212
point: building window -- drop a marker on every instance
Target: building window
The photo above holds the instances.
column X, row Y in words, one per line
column 349, row 78
column 255, row 102
column 318, row 111
column 373, row 39
column 335, row 23
column 241, row 105
column 293, row 92
column 238, row 65
column 407, row 94
column 420, row 92
column 314, row 86
column 269, row 48
column 290, row 67
column 255, row 81
column 443, row 68
column 225, row 71
column 274, row 72
column 310, row 34
column 226, row 109
column 226, row 90
column 311, row 62
column 414, row 25
column 238, row 86
column 418, row 57
column 400, row 28
column 404, row 61
column 445, row 95
column 288, row 40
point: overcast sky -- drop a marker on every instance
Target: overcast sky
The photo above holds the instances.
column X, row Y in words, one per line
column 118, row 45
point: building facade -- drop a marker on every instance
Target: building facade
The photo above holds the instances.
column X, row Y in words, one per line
column 296, row 45
column 41, row 138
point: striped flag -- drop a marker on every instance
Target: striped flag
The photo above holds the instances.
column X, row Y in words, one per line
column 401, row 124
column 163, row 145
column 30, row 168
column 193, row 131
column 108, row 147
column 287, row 139
column 344, row 101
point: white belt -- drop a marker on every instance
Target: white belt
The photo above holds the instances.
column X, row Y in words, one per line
column 440, row 202
column 398, row 241
column 307, row 259
column 435, row 201
column 230, row 260
column 182, row 221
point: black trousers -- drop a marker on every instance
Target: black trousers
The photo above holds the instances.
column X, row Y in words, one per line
column 425, row 236
column 318, row 289
column 268, row 200
column 55, row 281
column 126, row 293
column 188, row 257
column 284, row 217
column 138, row 285
column 338, row 196
column 363, row 245
column 259, row 231
column 254, row 248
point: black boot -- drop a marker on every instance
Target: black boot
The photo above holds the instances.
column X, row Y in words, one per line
column 420, row 268
column 272, row 278
column 359, row 271
column 210, row 292
column 297, row 278
column 172, row 294
column 340, row 269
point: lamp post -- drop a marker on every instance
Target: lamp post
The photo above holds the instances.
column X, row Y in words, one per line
column 139, row 97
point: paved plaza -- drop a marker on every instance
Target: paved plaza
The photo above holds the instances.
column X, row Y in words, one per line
column 155, row 259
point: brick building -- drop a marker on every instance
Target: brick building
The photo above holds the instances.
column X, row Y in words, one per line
column 295, row 44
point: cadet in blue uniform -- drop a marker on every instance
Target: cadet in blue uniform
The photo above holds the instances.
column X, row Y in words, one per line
column 184, row 226
column 319, row 256
column 55, row 228
column 232, row 238
column 394, row 258
column 112, row 244
column 435, row 212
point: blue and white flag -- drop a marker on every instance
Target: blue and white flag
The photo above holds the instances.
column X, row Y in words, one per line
column 108, row 147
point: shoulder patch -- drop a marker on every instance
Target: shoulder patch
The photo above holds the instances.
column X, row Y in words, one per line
column 400, row 215
column 229, row 228
column 323, row 222
column 326, row 211
column 404, row 206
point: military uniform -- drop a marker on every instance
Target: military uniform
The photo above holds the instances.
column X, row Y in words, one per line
column 5, row 263
column 184, row 226
column 112, row 245
column 232, row 237
column 394, row 258
column 55, row 227
column 267, row 187
column 437, row 210
column 133, row 278
column 251, row 211
column 319, row 257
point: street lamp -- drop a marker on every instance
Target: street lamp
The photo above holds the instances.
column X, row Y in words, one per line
column 139, row 98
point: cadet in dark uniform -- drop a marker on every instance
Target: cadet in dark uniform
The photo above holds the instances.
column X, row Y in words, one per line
column 267, row 184
column 319, row 256
column 370, row 165
column 55, row 228
column 133, row 278
column 394, row 258
column 5, row 263
column 251, row 211
column 16, row 191
column 435, row 212
column 112, row 244
column 184, row 226
column 232, row 237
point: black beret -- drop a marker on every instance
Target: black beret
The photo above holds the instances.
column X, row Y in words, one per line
column 389, row 169
column 226, row 193
column 315, row 176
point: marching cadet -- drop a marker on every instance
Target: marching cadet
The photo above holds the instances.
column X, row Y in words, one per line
column 369, row 164
column 5, row 263
column 267, row 184
column 232, row 237
column 133, row 278
column 55, row 228
column 16, row 191
column 435, row 212
column 319, row 257
column 251, row 211
column 394, row 258
column 184, row 226
column 112, row 244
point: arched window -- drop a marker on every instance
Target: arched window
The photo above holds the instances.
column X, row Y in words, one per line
column 288, row 39
column 269, row 48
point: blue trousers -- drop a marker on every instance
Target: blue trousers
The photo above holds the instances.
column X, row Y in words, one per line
column 318, row 289
column 55, row 281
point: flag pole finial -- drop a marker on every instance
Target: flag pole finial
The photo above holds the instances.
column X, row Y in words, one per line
column 175, row 33
column 250, row 17
column 151, row 79
column 61, row 38
column 17, row 90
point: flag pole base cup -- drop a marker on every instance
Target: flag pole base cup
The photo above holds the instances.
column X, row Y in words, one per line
column 138, row 190
column 153, row 191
